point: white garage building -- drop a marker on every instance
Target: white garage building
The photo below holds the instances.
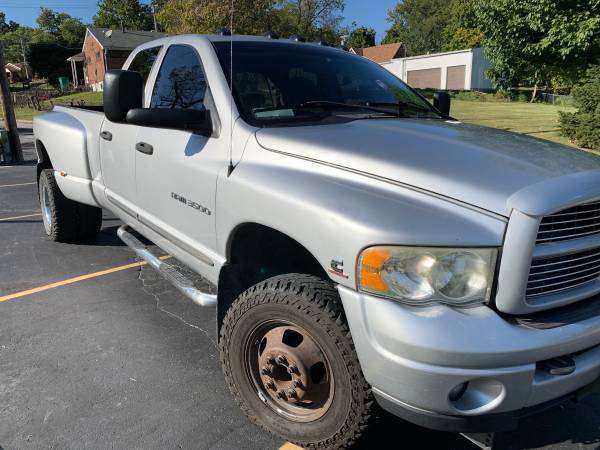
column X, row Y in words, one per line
column 457, row 70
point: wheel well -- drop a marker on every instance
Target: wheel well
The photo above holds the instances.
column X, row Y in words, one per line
column 43, row 158
column 257, row 252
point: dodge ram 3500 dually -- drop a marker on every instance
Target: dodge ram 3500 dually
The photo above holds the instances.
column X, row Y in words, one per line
column 366, row 248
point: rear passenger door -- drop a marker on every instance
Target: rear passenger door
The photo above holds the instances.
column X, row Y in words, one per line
column 176, row 171
column 117, row 146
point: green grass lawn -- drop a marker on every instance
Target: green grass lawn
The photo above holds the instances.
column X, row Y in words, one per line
column 89, row 98
column 534, row 119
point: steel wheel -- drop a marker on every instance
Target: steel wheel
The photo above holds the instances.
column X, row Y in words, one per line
column 46, row 209
column 291, row 372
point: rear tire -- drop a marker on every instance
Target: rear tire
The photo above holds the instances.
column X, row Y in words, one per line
column 308, row 310
column 65, row 220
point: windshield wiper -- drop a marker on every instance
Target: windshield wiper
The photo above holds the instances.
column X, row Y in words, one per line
column 326, row 104
column 400, row 104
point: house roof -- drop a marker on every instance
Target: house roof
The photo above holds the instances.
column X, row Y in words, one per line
column 11, row 67
column 122, row 40
column 381, row 53
column 78, row 57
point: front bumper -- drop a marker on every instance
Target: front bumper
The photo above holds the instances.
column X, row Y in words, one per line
column 414, row 357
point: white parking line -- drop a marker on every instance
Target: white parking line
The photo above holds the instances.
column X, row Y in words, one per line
column 17, row 184
column 6, row 219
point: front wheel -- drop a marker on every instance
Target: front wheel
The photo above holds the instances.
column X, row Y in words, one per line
column 290, row 362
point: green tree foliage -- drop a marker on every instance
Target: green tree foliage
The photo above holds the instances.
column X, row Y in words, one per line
column 131, row 14
column 532, row 41
column 206, row 16
column 462, row 30
column 310, row 18
column 6, row 27
column 419, row 24
column 361, row 37
column 583, row 126
column 72, row 32
column 50, row 21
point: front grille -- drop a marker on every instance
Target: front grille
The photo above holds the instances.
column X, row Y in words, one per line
column 572, row 223
column 557, row 273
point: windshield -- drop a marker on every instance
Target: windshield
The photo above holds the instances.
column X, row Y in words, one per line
column 278, row 84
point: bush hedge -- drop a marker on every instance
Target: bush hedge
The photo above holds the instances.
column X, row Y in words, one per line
column 583, row 126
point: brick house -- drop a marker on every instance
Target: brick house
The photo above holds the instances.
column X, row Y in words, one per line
column 105, row 49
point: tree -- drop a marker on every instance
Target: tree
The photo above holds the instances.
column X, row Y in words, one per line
column 50, row 21
column 72, row 32
column 533, row 41
column 313, row 19
column 48, row 60
column 130, row 14
column 206, row 16
column 361, row 37
column 6, row 27
column 462, row 30
column 419, row 24
column 582, row 126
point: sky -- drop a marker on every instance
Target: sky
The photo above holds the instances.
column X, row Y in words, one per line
column 369, row 13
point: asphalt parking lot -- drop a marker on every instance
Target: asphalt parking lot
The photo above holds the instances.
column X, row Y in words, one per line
column 122, row 360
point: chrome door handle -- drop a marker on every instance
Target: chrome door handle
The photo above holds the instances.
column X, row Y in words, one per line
column 106, row 135
column 142, row 147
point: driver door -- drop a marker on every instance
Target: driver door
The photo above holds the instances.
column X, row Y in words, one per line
column 176, row 171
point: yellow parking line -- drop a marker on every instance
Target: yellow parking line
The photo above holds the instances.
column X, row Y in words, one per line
column 6, row 219
column 75, row 280
column 17, row 184
column 289, row 446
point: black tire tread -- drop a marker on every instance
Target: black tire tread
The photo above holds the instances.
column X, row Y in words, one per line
column 319, row 300
column 71, row 221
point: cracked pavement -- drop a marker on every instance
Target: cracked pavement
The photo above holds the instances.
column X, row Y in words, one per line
column 124, row 361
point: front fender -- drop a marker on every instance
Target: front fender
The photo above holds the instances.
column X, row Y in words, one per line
column 335, row 213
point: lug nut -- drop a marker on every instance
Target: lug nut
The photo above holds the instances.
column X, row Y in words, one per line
column 297, row 384
column 292, row 393
column 281, row 395
column 281, row 359
column 293, row 369
column 270, row 360
column 270, row 384
column 265, row 370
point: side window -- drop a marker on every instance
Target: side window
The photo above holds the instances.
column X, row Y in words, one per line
column 144, row 60
column 180, row 82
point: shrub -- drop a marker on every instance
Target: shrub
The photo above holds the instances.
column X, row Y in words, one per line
column 583, row 126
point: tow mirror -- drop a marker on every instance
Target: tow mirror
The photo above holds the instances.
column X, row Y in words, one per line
column 123, row 90
column 441, row 101
column 193, row 120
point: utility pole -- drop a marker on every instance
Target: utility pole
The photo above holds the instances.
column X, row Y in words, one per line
column 8, row 112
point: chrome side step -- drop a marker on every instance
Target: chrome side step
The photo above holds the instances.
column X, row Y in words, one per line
column 179, row 280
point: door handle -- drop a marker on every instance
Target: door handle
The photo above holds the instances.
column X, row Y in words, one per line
column 106, row 135
column 144, row 148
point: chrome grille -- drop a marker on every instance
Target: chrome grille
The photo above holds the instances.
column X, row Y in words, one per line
column 557, row 273
column 578, row 221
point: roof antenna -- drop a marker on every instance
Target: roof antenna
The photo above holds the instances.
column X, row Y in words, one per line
column 230, row 166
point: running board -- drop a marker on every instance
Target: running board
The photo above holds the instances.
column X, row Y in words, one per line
column 171, row 273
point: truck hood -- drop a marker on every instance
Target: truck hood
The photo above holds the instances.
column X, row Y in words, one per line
column 477, row 165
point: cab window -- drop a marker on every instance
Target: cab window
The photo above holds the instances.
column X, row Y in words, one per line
column 180, row 82
column 144, row 60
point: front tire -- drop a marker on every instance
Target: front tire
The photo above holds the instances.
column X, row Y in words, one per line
column 290, row 363
column 65, row 220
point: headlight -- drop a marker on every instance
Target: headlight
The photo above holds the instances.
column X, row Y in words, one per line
column 421, row 275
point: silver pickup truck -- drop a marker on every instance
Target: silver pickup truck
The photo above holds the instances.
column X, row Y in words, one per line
column 367, row 250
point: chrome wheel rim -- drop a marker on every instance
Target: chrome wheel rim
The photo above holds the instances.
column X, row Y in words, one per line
column 284, row 373
column 46, row 209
